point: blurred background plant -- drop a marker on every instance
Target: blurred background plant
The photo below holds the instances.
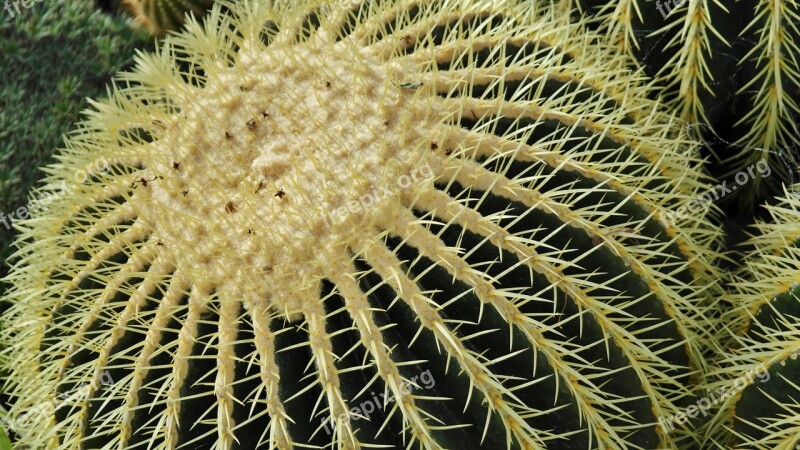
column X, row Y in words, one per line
column 55, row 55
column 161, row 16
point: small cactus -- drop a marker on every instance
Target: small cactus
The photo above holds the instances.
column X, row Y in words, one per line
column 161, row 16
column 757, row 386
column 732, row 68
column 440, row 224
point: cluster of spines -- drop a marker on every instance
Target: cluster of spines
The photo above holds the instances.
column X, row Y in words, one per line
column 741, row 60
column 644, row 167
column 757, row 382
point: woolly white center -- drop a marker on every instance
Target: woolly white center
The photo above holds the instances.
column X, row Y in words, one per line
column 279, row 163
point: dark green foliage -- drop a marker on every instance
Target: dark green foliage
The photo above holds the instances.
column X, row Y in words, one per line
column 55, row 55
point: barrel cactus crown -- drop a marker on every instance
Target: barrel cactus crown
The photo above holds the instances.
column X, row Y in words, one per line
column 434, row 224
column 733, row 69
column 161, row 16
column 757, row 385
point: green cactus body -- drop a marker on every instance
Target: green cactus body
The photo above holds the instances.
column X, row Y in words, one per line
column 441, row 224
column 733, row 68
column 757, row 385
column 161, row 16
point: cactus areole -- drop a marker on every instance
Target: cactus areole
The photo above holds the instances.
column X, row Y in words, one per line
column 441, row 224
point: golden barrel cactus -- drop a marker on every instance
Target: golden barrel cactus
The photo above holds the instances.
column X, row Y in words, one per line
column 756, row 388
column 733, row 70
column 434, row 224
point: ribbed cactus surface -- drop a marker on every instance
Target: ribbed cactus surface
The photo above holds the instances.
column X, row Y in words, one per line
column 419, row 224
column 732, row 68
column 757, row 386
column 160, row 16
